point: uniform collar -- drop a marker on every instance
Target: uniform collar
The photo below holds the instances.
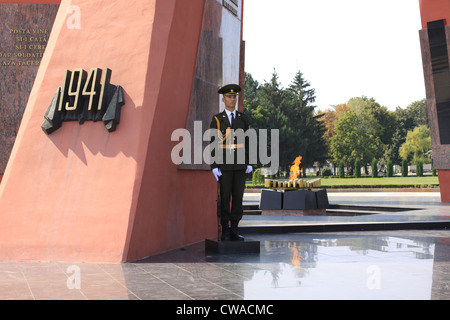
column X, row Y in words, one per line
column 229, row 112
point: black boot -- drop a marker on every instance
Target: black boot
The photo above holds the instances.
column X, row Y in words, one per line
column 234, row 233
column 225, row 233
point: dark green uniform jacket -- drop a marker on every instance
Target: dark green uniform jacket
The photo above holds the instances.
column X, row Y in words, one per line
column 231, row 144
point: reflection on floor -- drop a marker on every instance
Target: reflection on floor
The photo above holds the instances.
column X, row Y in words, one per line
column 382, row 264
column 367, row 265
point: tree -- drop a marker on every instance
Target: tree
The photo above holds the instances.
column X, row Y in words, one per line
column 403, row 122
column 275, row 104
column 251, row 100
column 329, row 118
column 363, row 132
column 305, row 96
column 418, row 112
column 307, row 129
column 291, row 111
column 259, row 105
column 406, row 120
column 376, row 120
column 418, row 142
column 391, row 151
column 353, row 140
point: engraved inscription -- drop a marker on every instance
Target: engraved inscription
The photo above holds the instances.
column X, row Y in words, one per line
column 28, row 47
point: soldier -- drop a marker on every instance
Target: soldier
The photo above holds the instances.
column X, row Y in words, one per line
column 231, row 176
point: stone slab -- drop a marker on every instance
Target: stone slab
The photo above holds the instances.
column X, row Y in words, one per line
column 232, row 247
column 300, row 212
column 24, row 32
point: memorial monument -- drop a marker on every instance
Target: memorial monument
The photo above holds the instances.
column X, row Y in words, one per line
column 435, row 43
column 84, row 186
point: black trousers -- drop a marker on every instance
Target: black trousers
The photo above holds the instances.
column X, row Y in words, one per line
column 232, row 185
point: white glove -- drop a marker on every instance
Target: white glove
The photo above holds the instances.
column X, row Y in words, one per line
column 249, row 169
column 217, row 173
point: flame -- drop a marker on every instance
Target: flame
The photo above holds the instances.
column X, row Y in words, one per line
column 295, row 169
column 296, row 258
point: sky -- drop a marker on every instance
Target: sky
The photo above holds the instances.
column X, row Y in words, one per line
column 344, row 48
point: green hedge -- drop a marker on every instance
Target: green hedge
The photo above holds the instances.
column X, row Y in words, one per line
column 257, row 178
column 374, row 168
column 358, row 168
column 404, row 168
column 390, row 169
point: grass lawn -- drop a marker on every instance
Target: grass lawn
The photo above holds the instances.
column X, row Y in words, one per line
column 381, row 182
column 405, row 182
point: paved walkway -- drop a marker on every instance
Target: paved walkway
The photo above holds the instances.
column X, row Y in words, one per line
column 379, row 264
column 391, row 209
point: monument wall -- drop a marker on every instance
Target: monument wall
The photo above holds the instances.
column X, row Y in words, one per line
column 219, row 62
column 83, row 193
column 435, row 44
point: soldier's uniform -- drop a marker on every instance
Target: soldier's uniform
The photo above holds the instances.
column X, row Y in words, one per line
column 235, row 161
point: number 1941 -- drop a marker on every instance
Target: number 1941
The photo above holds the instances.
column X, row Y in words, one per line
column 82, row 91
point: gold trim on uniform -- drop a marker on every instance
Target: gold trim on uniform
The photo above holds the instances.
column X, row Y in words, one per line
column 232, row 146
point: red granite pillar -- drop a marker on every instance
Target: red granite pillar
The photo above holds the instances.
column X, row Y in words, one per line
column 434, row 38
column 24, row 31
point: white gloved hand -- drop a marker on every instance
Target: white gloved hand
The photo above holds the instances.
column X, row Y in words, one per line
column 217, row 173
column 249, row 169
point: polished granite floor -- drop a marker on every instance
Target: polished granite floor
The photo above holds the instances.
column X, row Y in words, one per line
column 385, row 208
column 362, row 265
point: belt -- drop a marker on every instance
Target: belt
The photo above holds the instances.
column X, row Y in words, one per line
column 231, row 146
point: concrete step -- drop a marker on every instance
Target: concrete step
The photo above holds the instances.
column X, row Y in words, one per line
column 339, row 210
